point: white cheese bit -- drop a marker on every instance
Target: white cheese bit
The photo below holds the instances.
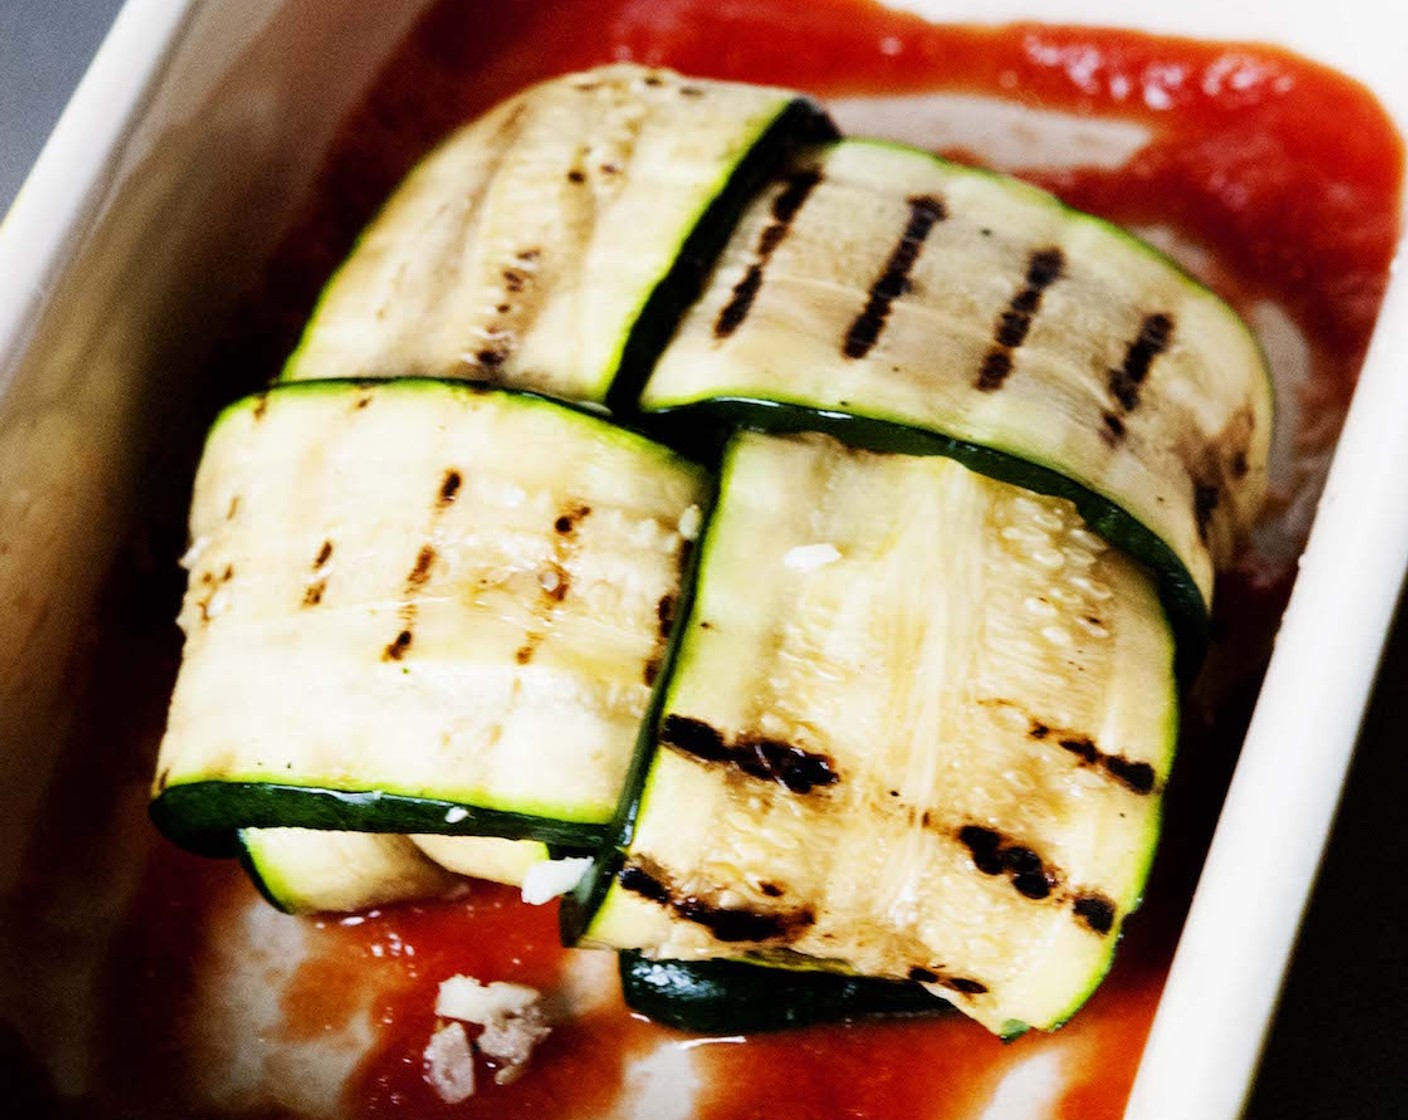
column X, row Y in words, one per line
column 455, row 814
column 193, row 554
column 553, row 877
column 449, row 1063
column 810, row 557
column 466, row 999
column 511, row 1015
column 690, row 522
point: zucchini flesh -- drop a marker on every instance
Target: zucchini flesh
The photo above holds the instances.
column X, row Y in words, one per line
column 315, row 871
column 919, row 738
column 735, row 997
column 307, row 871
column 894, row 297
column 556, row 237
column 398, row 621
column 484, row 857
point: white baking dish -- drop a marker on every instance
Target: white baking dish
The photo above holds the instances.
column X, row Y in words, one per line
column 187, row 149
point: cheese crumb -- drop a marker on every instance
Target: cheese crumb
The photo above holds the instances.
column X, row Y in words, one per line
column 691, row 520
column 547, row 880
column 810, row 557
column 455, row 814
column 511, row 1014
column 449, row 1063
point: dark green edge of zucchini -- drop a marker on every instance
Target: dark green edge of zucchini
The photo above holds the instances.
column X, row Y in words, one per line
column 250, row 866
column 799, row 122
column 1183, row 603
column 736, row 997
column 205, row 816
column 584, row 409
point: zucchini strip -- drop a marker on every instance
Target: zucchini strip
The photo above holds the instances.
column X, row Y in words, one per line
column 921, row 739
column 907, row 303
column 304, row 871
column 398, row 621
column 554, row 242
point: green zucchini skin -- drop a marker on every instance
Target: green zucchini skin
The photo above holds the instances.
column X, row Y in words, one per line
column 204, row 817
column 705, row 426
column 737, row 997
column 802, row 122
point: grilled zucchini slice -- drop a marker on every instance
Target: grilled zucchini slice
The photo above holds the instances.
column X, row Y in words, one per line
column 419, row 606
column 913, row 304
column 313, row 871
column 556, row 239
column 918, row 727
column 310, row 871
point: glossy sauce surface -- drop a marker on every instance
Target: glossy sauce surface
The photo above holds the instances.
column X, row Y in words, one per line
column 1287, row 176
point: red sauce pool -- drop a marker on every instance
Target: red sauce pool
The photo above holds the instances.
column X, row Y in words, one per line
column 1287, row 173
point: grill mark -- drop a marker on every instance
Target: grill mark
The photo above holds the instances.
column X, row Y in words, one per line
column 1137, row 776
column 261, row 406
column 313, row 594
column 323, row 556
column 1206, row 498
column 784, row 208
column 925, row 211
column 726, row 923
column 555, row 580
column 1096, row 911
column 1113, row 430
column 567, row 522
column 1155, row 333
column 1033, row 878
column 993, row 855
column 1014, row 323
column 235, row 505
column 449, row 488
column 964, row 984
column 922, row 975
column 398, row 646
column 665, row 612
column 799, row 770
column 425, row 561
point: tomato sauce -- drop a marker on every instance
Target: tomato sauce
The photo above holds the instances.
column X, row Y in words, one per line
column 1287, row 173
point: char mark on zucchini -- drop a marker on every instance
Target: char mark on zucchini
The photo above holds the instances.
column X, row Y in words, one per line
column 397, row 647
column 784, row 208
column 450, row 488
column 1206, row 497
column 1096, row 911
column 555, row 578
column 799, row 770
column 994, row 855
column 1137, row 776
column 727, row 923
column 1044, row 268
column 1155, row 333
column 925, row 212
